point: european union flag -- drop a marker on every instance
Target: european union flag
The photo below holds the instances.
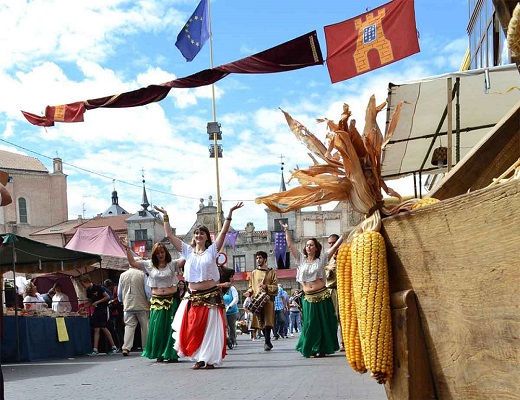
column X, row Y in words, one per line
column 195, row 33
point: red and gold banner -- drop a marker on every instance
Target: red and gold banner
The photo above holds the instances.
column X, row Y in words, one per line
column 371, row 40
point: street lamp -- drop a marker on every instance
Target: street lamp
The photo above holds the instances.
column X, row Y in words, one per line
column 215, row 134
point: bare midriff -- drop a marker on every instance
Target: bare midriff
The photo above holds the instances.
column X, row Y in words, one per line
column 313, row 285
column 164, row 290
column 204, row 285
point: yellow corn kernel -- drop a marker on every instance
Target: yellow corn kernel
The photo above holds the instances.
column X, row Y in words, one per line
column 425, row 202
column 372, row 302
column 347, row 311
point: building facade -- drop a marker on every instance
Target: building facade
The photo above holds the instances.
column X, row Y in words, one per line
column 39, row 197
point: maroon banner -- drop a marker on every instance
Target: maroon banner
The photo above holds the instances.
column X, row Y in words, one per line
column 371, row 40
column 301, row 52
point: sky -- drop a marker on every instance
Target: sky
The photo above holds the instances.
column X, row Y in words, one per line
column 60, row 51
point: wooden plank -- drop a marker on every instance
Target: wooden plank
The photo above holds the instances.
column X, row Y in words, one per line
column 412, row 378
column 461, row 257
column 490, row 158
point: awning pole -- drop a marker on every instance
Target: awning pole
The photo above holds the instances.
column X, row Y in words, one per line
column 450, row 124
column 17, row 329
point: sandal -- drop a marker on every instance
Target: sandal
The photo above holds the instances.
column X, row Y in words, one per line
column 210, row 366
column 198, row 365
column 159, row 359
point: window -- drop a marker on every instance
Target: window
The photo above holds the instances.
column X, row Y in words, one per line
column 22, row 210
column 239, row 263
column 141, row 234
column 278, row 227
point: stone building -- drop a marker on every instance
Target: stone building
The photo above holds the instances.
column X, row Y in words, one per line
column 39, row 197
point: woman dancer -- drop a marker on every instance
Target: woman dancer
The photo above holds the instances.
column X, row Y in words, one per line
column 318, row 335
column 199, row 325
column 162, row 279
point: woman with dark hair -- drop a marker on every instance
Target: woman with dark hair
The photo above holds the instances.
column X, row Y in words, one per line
column 318, row 335
column 199, row 325
column 182, row 289
column 162, row 279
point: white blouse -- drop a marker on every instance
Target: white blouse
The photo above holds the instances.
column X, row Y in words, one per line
column 200, row 267
column 35, row 302
column 61, row 303
column 311, row 271
column 161, row 277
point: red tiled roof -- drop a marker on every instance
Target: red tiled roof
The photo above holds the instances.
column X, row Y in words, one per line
column 20, row 162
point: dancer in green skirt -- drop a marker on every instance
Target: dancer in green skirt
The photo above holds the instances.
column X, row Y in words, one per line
column 318, row 335
column 162, row 279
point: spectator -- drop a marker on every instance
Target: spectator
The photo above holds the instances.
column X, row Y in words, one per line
column 280, row 306
column 231, row 303
column 134, row 294
column 48, row 297
column 60, row 301
column 33, row 300
column 115, row 313
column 99, row 299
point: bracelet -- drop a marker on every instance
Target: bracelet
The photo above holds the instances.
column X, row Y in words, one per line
column 228, row 219
column 166, row 218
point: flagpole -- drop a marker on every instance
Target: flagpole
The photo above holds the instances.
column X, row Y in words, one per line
column 214, row 108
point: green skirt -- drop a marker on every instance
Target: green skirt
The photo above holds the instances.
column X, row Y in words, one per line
column 159, row 342
column 319, row 328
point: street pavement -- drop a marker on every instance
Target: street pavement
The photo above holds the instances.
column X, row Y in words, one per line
column 248, row 372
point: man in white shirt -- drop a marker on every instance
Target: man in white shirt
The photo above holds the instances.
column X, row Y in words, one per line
column 60, row 301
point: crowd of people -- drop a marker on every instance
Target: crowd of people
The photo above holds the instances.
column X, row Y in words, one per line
column 195, row 317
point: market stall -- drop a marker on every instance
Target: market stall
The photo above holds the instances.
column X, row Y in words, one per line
column 29, row 336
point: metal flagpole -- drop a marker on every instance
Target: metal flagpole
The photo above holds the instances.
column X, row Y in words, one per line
column 215, row 146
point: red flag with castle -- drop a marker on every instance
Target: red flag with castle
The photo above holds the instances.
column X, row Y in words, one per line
column 371, row 40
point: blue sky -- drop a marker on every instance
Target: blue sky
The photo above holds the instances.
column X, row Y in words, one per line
column 60, row 51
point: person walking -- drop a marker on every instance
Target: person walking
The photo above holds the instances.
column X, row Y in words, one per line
column 294, row 313
column 280, row 306
column 318, row 336
column 162, row 278
column 134, row 294
column 199, row 325
column 98, row 299
column 263, row 279
column 231, row 302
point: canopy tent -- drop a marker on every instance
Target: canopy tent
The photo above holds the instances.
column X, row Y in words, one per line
column 19, row 254
column 101, row 240
column 480, row 98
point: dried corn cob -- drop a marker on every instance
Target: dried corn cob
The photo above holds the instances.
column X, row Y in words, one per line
column 372, row 301
column 347, row 310
column 425, row 202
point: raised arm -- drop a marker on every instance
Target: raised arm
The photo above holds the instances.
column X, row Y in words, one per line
column 288, row 238
column 130, row 256
column 333, row 249
column 168, row 230
column 227, row 223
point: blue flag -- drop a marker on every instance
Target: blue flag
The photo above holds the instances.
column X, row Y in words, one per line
column 195, row 33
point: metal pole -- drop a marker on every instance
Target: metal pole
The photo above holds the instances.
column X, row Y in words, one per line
column 450, row 125
column 215, row 148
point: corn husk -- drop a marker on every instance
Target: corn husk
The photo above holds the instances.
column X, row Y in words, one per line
column 348, row 168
